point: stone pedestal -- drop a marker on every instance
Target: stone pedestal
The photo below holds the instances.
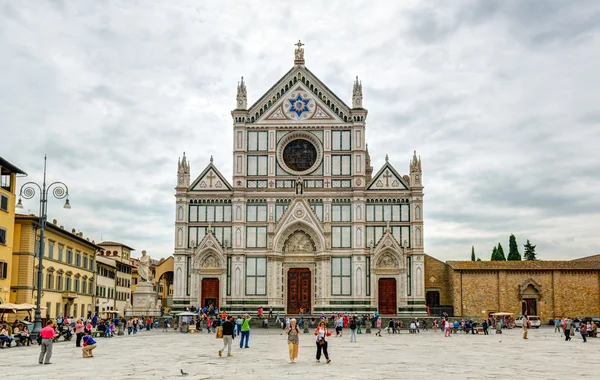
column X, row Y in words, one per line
column 144, row 302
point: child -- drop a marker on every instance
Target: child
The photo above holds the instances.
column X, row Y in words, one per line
column 88, row 346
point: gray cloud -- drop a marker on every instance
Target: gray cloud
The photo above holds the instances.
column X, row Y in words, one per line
column 498, row 97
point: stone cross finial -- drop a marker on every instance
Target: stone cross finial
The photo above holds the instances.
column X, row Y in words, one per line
column 299, row 53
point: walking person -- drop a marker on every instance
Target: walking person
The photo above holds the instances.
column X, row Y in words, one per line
column 47, row 334
column 484, row 325
column 378, row 323
column 79, row 327
column 352, row 327
column 227, row 336
column 322, row 333
column 557, row 325
column 583, row 331
column 525, row 326
column 293, row 333
column 245, row 330
column 567, row 329
column 88, row 346
column 447, row 328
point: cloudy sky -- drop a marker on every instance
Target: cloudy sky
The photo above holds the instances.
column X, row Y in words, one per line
column 500, row 99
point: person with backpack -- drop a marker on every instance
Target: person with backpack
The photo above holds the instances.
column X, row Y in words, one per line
column 88, row 346
column 352, row 326
column 293, row 333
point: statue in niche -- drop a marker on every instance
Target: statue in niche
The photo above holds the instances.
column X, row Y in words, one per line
column 299, row 242
column 387, row 261
column 299, row 187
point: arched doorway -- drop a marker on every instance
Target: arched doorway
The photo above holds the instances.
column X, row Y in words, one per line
column 530, row 292
column 387, row 296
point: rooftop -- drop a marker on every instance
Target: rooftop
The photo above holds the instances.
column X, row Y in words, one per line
column 589, row 258
column 8, row 168
column 73, row 234
column 114, row 243
column 526, row 265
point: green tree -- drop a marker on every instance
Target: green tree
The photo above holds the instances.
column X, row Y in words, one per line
column 529, row 251
column 472, row 253
column 494, row 254
column 501, row 256
column 513, row 250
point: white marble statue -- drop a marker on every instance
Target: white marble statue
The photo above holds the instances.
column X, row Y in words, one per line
column 144, row 267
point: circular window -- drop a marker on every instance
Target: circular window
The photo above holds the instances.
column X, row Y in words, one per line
column 299, row 155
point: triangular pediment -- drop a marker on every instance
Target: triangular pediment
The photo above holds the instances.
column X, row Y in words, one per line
column 387, row 241
column 280, row 102
column 210, row 180
column 387, row 178
column 299, row 217
column 300, row 105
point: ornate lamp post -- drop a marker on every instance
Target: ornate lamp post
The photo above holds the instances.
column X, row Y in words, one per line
column 28, row 190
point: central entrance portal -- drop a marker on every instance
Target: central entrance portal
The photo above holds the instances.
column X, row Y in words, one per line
column 299, row 294
column 210, row 292
column 387, row 296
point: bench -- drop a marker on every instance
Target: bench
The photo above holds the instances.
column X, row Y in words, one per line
column 97, row 333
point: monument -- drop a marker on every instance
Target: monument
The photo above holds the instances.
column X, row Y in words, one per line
column 145, row 302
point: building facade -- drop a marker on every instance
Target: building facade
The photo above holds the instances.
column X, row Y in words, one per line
column 8, row 188
column 549, row 289
column 106, row 283
column 120, row 255
column 304, row 222
column 68, row 287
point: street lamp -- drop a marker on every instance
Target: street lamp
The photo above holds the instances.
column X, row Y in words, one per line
column 28, row 190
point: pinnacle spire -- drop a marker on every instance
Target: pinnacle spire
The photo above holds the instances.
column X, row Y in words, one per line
column 299, row 53
column 357, row 95
column 242, row 96
column 211, row 159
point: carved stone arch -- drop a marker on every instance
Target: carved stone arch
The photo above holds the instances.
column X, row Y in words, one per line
column 530, row 289
column 299, row 242
column 389, row 256
column 208, row 259
column 299, row 225
column 388, row 260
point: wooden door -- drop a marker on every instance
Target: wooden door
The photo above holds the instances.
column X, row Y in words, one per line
column 432, row 298
column 299, row 290
column 387, row 296
column 529, row 306
column 210, row 292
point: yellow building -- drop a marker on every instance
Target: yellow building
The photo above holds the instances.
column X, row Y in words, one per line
column 8, row 184
column 68, row 286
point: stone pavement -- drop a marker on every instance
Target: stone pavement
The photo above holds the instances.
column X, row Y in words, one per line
column 160, row 355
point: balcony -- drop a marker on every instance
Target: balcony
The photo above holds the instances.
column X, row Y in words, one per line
column 69, row 295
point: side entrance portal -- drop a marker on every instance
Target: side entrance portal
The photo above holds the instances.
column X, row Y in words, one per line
column 387, row 296
column 210, row 292
column 299, row 294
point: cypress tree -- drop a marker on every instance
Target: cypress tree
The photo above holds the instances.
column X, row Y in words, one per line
column 529, row 251
column 494, row 254
column 513, row 250
column 501, row 256
column 472, row 253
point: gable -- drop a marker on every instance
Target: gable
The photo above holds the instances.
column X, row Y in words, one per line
column 387, row 178
column 300, row 104
column 274, row 105
column 210, row 180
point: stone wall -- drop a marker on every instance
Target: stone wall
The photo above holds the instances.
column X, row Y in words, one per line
column 436, row 278
column 563, row 293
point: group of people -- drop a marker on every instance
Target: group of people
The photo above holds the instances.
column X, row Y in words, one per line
column 586, row 328
column 18, row 332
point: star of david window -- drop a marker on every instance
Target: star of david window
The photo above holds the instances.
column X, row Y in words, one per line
column 299, row 155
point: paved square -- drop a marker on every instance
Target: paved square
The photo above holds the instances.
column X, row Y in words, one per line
column 427, row 355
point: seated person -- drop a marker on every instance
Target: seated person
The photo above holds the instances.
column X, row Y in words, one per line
column 5, row 336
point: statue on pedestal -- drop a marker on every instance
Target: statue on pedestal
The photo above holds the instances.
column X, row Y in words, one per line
column 144, row 268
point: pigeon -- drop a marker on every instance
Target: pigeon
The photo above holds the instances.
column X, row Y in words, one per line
column 183, row 373
column 500, row 342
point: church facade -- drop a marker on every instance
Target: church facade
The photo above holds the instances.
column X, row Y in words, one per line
column 304, row 222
